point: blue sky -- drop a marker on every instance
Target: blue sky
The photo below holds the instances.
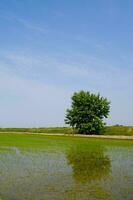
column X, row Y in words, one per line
column 49, row 49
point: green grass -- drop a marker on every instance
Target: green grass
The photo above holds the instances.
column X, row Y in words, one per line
column 54, row 143
column 118, row 130
column 39, row 130
column 109, row 130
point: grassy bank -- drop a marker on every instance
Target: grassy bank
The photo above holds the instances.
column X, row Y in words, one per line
column 64, row 130
column 109, row 130
column 118, row 130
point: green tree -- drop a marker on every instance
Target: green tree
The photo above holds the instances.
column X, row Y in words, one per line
column 87, row 112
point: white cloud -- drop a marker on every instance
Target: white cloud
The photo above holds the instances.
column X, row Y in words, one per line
column 89, row 69
column 23, row 58
column 24, row 22
column 32, row 26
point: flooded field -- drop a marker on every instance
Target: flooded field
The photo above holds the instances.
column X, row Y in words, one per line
column 65, row 168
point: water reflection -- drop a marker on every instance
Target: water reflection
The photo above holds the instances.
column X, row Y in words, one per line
column 88, row 163
column 33, row 175
column 82, row 171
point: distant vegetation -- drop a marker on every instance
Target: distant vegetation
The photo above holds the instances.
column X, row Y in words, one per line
column 108, row 130
column 118, row 130
column 65, row 130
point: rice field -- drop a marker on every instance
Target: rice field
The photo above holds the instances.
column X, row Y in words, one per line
column 37, row 167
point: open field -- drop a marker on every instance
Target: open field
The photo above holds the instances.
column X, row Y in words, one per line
column 39, row 130
column 38, row 167
column 109, row 130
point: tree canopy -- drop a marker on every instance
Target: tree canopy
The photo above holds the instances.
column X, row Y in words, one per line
column 87, row 112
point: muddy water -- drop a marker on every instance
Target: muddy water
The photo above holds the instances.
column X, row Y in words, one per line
column 77, row 173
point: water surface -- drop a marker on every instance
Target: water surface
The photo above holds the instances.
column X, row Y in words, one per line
column 66, row 169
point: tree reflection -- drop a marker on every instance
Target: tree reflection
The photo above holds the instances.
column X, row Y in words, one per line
column 88, row 163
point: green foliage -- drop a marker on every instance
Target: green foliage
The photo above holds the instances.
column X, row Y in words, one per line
column 87, row 112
